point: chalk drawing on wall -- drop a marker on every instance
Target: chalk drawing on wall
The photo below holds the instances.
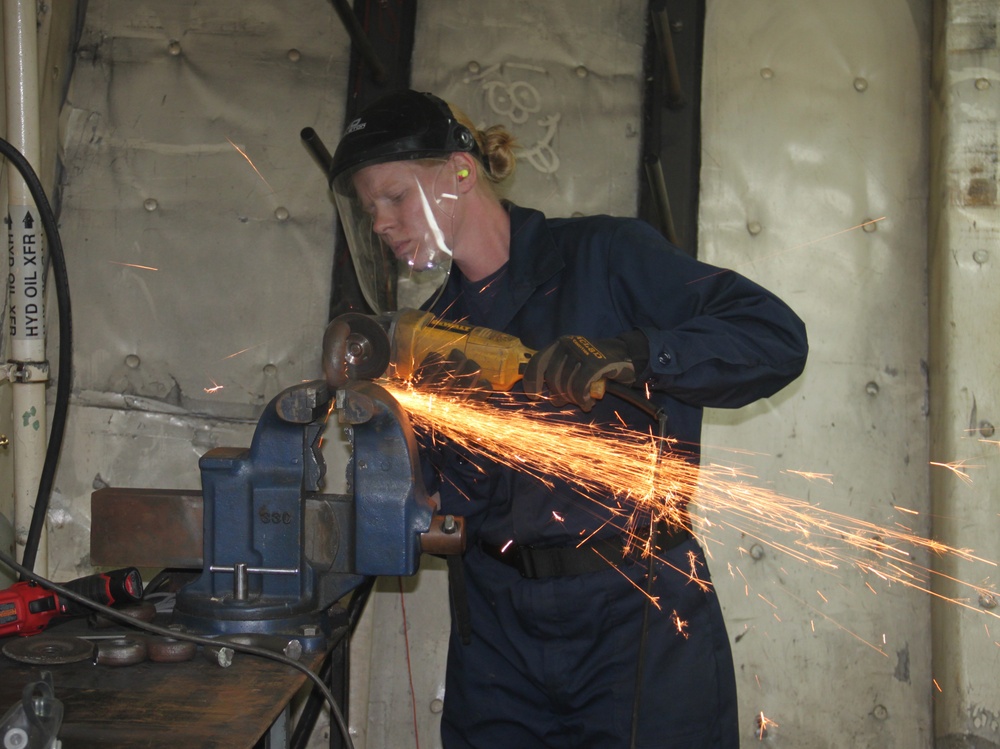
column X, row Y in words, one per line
column 511, row 95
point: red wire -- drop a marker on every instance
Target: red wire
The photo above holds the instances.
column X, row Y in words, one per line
column 409, row 667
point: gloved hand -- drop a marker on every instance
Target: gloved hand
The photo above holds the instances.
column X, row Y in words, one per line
column 572, row 365
column 455, row 374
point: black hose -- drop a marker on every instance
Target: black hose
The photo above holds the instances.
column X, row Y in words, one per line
column 650, row 571
column 65, row 372
column 314, row 703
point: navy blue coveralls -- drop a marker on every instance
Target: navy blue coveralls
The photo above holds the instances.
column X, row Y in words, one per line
column 552, row 661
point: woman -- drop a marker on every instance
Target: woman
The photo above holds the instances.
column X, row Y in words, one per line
column 556, row 639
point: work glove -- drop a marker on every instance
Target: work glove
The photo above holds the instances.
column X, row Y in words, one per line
column 574, row 367
column 454, row 374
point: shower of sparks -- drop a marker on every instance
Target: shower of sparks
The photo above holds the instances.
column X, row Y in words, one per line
column 133, row 265
column 253, row 166
column 622, row 464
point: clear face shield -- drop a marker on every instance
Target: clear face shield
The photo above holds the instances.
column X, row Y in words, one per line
column 398, row 220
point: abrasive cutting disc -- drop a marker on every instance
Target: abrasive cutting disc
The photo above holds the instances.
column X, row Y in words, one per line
column 48, row 649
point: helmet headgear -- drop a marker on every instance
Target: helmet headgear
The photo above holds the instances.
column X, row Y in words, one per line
column 406, row 126
column 402, row 126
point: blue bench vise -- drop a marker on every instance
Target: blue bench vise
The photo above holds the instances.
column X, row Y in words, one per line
column 277, row 552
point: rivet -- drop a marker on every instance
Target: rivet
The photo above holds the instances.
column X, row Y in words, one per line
column 150, row 204
column 871, row 388
column 174, row 47
column 473, row 66
column 437, row 705
column 981, row 256
column 582, row 72
column 754, row 228
column 860, row 85
column 756, row 552
column 982, row 83
column 4, row 441
column 880, row 712
column 987, row 601
column 281, row 213
column 986, row 429
column 766, row 73
column 294, row 55
column 870, row 226
column 132, row 361
column 270, row 370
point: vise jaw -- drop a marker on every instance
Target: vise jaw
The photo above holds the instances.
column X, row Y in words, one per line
column 276, row 551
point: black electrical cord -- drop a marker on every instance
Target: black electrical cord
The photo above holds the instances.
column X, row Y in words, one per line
column 650, row 571
column 311, row 710
column 111, row 613
column 65, row 372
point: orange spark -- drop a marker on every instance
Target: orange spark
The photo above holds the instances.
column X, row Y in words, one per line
column 809, row 475
column 133, row 265
column 239, row 353
column 679, row 624
column 763, row 723
column 655, row 600
column 958, row 468
column 243, row 153
column 216, row 387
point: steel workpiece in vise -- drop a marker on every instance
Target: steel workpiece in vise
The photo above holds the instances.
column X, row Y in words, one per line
column 262, row 572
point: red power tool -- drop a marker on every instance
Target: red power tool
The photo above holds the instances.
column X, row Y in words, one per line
column 27, row 608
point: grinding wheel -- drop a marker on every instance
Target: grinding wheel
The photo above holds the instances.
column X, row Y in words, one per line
column 49, row 649
column 355, row 347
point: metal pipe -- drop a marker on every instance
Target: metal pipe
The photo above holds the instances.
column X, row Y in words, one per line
column 673, row 93
column 28, row 267
column 318, row 150
column 658, row 185
column 360, row 40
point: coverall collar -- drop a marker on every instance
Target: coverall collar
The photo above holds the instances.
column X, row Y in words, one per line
column 534, row 259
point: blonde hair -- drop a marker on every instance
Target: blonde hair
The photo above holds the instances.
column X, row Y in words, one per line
column 497, row 145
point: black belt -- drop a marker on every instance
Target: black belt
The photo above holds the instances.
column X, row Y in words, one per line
column 534, row 562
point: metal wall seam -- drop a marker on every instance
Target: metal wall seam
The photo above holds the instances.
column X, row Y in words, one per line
column 964, row 309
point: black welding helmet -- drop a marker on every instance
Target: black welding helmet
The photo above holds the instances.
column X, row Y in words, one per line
column 396, row 191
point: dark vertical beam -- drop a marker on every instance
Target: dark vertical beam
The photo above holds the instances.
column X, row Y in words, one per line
column 671, row 158
column 380, row 63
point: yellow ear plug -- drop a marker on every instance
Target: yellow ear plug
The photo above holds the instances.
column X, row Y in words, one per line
column 463, row 173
